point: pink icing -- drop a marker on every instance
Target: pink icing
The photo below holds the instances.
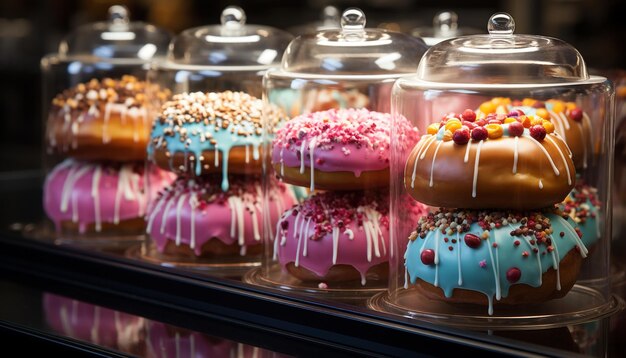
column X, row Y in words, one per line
column 353, row 140
column 334, row 228
column 168, row 341
column 95, row 193
column 194, row 211
column 91, row 323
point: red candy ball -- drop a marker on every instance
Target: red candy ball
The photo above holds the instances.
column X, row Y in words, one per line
column 461, row 136
column 468, row 115
column 516, row 129
column 576, row 114
column 472, row 240
column 480, row 122
column 538, row 132
column 470, row 125
column 513, row 274
column 428, row 257
column 479, row 133
column 539, row 104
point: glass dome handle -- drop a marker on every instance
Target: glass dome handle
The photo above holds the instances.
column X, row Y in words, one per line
column 330, row 15
column 501, row 24
column 353, row 24
column 118, row 15
column 445, row 22
column 233, row 17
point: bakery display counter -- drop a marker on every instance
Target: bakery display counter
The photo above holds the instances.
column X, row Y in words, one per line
column 193, row 299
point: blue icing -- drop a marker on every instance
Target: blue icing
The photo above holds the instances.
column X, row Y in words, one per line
column 224, row 139
column 484, row 268
column 590, row 228
column 284, row 98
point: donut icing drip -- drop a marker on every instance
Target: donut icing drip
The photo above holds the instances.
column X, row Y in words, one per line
column 95, row 324
column 194, row 211
column 88, row 193
column 489, row 251
column 192, row 123
column 334, row 228
column 99, row 100
column 583, row 207
column 338, row 140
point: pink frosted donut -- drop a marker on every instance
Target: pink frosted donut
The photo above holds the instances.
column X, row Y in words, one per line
column 95, row 324
column 167, row 341
column 338, row 236
column 81, row 197
column 194, row 217
column 338, row 149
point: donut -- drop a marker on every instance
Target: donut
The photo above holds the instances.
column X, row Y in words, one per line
column 98, row 325
column 195, row 218
column 101, row 197
column 583, row 207
column 473, row 164
column 474, row 256
column 204, row 133
column 568, row 120
column 337, row 236
column 163, row 340
column 102, row 120
column 345, row 149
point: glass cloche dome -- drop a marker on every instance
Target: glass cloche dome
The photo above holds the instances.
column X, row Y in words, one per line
column 208, row 134
column 334, row 85
column 96, row 130
column 513, row 164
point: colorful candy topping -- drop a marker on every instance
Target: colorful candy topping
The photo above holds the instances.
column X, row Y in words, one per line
column 353, row 140
column 488, row 251
column 195, row 122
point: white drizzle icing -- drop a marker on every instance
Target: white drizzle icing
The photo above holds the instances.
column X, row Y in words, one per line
column 515, row 155
column 432, row 166
column 569, row 177
column 540, row 184
column 476, row 162
column 467, row 151
column 96, row 197
column 179, row 206
column 312, row 163
column 554, row 168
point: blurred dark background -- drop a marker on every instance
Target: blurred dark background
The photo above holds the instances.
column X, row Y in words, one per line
column 30, row 29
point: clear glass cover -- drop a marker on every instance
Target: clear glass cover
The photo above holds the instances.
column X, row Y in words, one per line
column 96, row 130
column 329, row 19
column 335, row 86
column 445, row 26
column 209, row 135
column 514, row 164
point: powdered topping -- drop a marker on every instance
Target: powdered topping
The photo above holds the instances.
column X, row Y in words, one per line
column 128, row 91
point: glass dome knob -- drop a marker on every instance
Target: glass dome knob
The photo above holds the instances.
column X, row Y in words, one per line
column 330, row 15
column 445, row 22
column 118, row 15
column 501, row 24
column 353, row 19
column 233, row 17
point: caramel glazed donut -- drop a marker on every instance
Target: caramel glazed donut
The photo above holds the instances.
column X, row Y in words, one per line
column 569, row 121
column 459, row 254
column 194, row 129
column 462, row 163
column 345, row 149
column 102, row 120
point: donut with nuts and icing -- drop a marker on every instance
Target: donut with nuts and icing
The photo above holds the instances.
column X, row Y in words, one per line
column 102, row 120
column 101, row 197
column 202, row 133
column 338, row 149
column 582, row 205
column 194, row 217
column 489, row 257
column 505, row 162
column 338, row 236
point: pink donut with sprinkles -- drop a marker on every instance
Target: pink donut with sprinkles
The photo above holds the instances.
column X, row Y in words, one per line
column 101, row 198
column 338, row 236
column 338, row 149
column 196, row 218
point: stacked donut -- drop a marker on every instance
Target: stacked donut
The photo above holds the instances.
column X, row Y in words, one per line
column 100, row 128
column 342, row 234
column 498, row 234
column 212, row 142
column 574, row 126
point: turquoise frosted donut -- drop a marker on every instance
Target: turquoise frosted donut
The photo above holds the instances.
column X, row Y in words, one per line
column 490, row 252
